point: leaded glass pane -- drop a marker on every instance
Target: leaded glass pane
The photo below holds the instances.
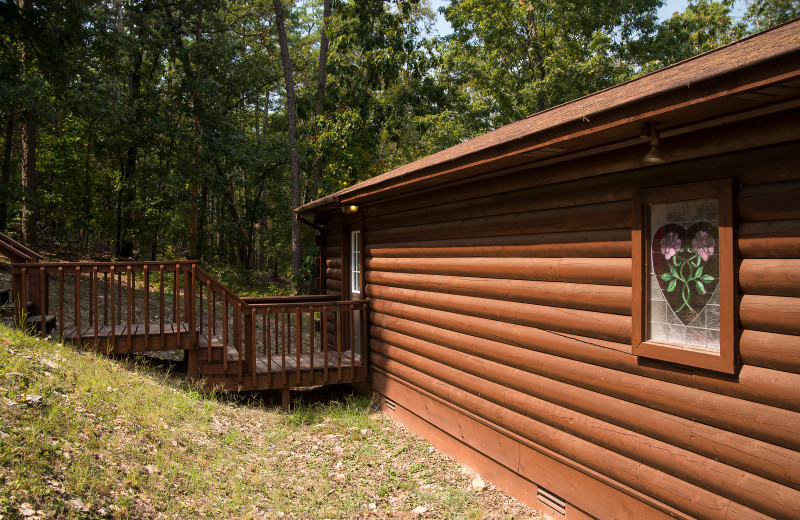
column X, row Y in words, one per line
column 683, row 272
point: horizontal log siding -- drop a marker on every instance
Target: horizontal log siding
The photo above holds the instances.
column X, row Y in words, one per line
column 512, row 309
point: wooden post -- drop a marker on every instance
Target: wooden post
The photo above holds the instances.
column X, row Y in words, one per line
column 285, row 398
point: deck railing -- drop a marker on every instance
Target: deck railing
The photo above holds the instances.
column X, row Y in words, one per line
column 110, row 299
column 304, row 341
column 272, row 342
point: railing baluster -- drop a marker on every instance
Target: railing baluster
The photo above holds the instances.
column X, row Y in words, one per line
column 267, row 346
column 105, row 299
column 119, row 297
column 251, row 349
column 352, row 340
column 200, row 311
column 364, row 341
column 94, row 304
column 298, row 325
column 214, row 314
column 325, row 343
column 42, row 299
column 78, row 326
column 113, row 320
column 224, row 332
column 161, row 302
column 339, row 343
column 177, row 310
column 128, row 312
column 237, row 335
column 146, row 320
column 61, row 303
column 284, row 319
column 211, row 298
column 311, row 346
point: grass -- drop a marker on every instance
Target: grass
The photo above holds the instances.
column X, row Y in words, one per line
column 85, row 436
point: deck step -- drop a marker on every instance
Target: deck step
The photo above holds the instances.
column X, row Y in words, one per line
column 42, row 325
column 9, row 309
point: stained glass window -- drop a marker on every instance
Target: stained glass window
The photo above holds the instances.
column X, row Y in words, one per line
column 683, row 272
column 683, row 285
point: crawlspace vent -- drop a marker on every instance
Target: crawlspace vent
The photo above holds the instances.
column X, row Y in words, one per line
column 551, row 500
column 389, row 403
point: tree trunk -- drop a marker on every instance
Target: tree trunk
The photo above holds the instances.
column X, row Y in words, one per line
column 294, row 158
column 194, row 252
column 29, row 131
column 5, row 176
column 321, row 84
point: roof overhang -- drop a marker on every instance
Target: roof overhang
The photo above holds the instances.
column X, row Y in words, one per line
column 753, row 77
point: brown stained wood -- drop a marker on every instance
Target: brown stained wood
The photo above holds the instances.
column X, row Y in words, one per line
column 333, row 274
column 600, row 298
column 544, row 245
column 769, row 201
column 769, row 239
column 333, row 263
column 759, row 458
column 617, row 374
column 522, row 461
column 61, row 303
column 774, row 351
column 334, row 285
column 544, row 353
column 672, row 491
column 745, row 165
column 770, row 277
column 146, row 288
column 599, row 271
column 78, row 323
column 752, row 491
column 591, row 324
column 615, row 215
column 776, row 314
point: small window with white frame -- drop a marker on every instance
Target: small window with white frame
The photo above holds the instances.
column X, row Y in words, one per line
column 355, row 262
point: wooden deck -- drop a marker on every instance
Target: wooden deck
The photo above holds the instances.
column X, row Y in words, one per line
column 140, row 338
column 274, row 370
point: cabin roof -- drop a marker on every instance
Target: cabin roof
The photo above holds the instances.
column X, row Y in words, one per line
column 576, row 125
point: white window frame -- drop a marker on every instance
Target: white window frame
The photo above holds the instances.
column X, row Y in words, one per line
column 355, row 261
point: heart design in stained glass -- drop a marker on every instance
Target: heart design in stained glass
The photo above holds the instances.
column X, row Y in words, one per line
column 686, row 264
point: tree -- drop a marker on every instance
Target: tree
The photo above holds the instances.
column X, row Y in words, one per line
column 291, row 118
column 522, row 56
column 763, row 14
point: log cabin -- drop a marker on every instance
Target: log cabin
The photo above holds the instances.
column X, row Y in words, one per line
column 598, row 307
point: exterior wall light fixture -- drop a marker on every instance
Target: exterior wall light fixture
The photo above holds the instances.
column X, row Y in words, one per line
column 653, row 155
column 350, row 209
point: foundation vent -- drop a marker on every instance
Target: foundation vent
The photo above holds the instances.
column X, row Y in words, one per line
column 388, row 403
column 555, row 502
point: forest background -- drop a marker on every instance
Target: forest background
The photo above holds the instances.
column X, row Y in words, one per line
column 191, row 128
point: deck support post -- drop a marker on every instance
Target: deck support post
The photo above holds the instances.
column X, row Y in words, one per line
column 285, row 398
column 191, row 357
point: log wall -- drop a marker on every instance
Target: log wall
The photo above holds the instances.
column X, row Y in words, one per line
column 500, row 328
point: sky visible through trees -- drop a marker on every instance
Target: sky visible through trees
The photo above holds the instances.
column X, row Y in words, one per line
column 148, row 129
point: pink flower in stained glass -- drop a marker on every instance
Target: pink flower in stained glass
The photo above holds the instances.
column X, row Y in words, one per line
column 704, row 244
column 670, row 245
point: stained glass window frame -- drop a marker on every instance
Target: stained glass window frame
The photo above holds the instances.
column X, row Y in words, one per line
column 723, row 359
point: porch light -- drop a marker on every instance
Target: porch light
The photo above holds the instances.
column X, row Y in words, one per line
column 653, row 155
column 350, row 209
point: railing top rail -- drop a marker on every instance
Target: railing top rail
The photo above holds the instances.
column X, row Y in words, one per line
column 301, row 298
column 355, row 303
column 109, row 264
column 204, row 276
column 16, row 251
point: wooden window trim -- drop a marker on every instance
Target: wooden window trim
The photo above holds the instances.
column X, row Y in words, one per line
column 725, row 360
column 355, row 264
